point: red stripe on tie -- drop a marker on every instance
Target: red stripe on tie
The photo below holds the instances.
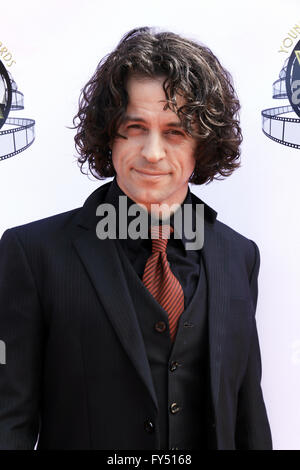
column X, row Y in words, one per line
column 159, row 279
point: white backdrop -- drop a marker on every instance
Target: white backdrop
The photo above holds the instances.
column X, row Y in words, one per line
column 57, row 45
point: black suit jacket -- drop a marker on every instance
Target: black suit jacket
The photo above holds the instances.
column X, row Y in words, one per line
column 76, row 369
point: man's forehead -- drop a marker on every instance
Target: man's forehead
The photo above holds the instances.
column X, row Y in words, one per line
column 149, row 92
column 171, row 121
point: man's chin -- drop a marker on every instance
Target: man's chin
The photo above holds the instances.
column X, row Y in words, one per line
column 151, row 197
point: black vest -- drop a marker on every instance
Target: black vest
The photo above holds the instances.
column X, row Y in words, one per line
column 179, row 370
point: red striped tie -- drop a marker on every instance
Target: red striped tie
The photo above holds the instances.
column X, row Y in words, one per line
column 159, row 279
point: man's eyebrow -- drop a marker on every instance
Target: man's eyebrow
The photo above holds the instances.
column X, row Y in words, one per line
column 128, row 118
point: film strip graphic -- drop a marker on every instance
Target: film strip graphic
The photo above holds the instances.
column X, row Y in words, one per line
column 276, row 125
column 284, row 130
column 16, row 134
column 17, row 139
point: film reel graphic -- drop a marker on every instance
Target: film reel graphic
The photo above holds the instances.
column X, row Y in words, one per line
column 285, row 129
column 16, row 134
column 5, row 94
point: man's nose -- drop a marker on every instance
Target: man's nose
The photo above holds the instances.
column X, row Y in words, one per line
column 153, row 147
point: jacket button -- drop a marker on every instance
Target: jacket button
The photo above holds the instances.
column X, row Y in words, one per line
column 160, row 326
column 174, row 408
column 149, row 426
column 173, row 366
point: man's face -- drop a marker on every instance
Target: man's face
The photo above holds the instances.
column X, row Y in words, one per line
column 154, row 163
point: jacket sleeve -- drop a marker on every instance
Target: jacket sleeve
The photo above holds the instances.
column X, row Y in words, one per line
column 252, row 426
column 21, row 331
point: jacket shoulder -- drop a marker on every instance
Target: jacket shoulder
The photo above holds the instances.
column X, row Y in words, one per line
column 56, row 223
column 231, row 234
column 243, row 249
column 224, row 230
column 45, row 225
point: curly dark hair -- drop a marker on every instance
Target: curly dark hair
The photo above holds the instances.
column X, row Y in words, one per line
column 210, row 112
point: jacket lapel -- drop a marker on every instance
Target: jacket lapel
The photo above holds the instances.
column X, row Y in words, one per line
column 101, row 260
column 216, row 257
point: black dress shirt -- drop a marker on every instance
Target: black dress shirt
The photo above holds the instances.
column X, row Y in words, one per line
column 185, row 264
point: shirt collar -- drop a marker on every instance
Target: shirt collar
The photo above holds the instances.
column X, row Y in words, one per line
column 112, row 197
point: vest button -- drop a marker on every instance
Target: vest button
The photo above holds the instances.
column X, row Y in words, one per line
column 174, row 408
column 160, row 326
column 149, row 426
column 173, row 366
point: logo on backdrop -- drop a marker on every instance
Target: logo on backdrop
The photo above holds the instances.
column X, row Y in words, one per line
column 16, row 134
column 292, row 79
column 286, row 129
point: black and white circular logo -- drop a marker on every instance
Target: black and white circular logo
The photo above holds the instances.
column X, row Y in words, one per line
column 282, row 123
column 5, row 94
column 293, row 79
column 16, row 133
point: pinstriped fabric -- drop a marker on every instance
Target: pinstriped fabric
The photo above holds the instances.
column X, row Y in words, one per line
column 159, row 279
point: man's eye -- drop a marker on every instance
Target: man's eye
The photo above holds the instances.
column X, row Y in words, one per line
column 135, row 126
column 175, row 132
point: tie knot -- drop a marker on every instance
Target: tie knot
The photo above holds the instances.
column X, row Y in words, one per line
column 160, row 235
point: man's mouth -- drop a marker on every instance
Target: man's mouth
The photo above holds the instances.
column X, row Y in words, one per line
column 151, row 174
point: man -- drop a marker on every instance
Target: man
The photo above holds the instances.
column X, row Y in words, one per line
column 137, row 342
